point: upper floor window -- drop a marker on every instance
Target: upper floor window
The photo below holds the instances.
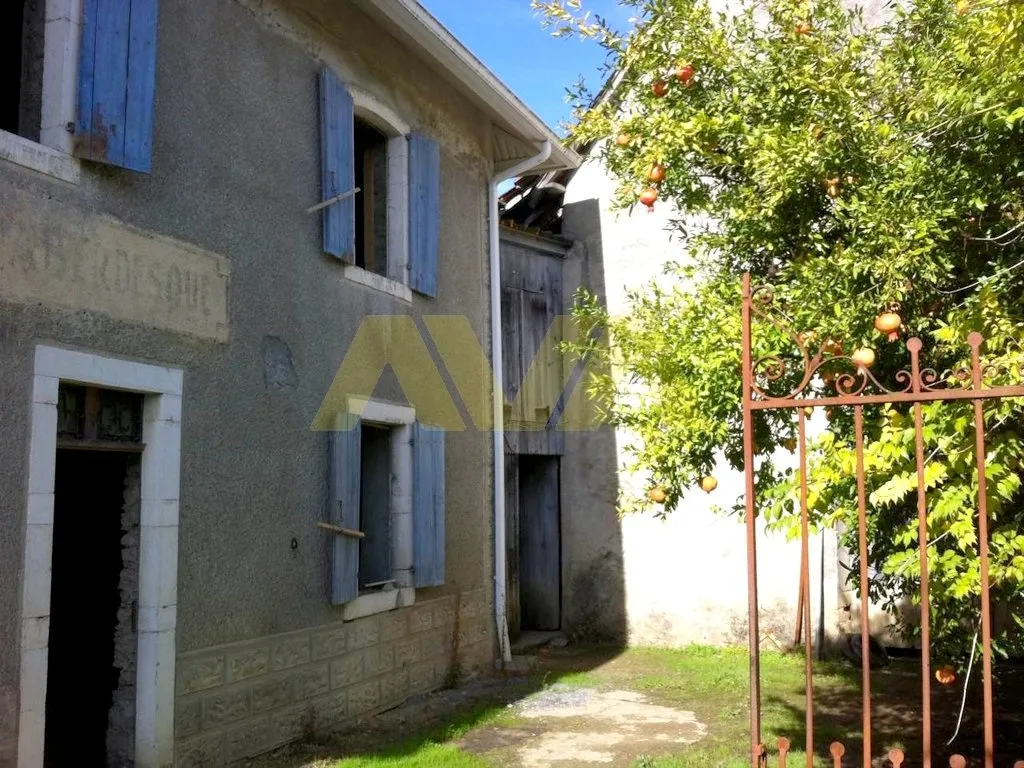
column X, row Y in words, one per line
column 381, row 189
column 371, row 202
column 22, row 25
column 77, row 78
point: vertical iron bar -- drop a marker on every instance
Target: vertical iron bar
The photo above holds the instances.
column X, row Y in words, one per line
column 751, row 523
column 975, row 341
column 914, row 345
column 799, row 638
column 865, row 599
column 806, row 555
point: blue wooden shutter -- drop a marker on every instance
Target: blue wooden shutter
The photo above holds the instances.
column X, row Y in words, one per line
column 116, row 82
column 428, row 505
column 424, row 213
column 337, row 159
column 345, row 467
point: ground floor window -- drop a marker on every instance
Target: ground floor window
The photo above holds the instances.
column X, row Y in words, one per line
column 375, row 550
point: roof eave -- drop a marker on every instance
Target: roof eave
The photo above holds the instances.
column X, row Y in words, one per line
column 415, row 24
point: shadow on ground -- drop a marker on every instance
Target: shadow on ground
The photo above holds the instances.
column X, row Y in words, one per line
column 653, row 708
column 427, row 729
column 896, row 717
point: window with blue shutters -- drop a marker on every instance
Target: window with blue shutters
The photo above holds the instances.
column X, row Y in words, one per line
column 381, row 190
column 116, row 83
column 343, row 508
column 424, row 213
column 428, row 506
column 337, row 148
column 385, row 539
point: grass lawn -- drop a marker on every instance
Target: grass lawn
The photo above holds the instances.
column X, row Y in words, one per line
column 711, row 682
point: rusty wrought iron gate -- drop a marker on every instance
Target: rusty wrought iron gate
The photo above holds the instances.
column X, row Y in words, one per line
column 857, row 390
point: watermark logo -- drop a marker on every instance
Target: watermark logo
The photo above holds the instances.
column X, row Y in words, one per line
column 551, row 389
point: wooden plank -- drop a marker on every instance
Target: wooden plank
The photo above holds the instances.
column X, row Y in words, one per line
column 110, row 82
column 512, row 608
column 86, row 79
column 138, row 133
column 341, row 531
column 344, row 461
column 337, row 149
column 428, row 506
column 91, row 419
column 424, row 213
column 540, row 544
column 110, row 446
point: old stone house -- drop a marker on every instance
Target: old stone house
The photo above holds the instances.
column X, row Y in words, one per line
column 219, row 530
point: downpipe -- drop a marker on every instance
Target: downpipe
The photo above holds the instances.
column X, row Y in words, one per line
column 498, row 396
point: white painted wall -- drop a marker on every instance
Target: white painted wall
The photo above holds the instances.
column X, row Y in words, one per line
column 686, row 577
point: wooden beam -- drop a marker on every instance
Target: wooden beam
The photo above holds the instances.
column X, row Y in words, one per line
column 341, row 531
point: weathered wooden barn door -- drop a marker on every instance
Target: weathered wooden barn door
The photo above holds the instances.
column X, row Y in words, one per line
column 512, row 612
column 540, row 543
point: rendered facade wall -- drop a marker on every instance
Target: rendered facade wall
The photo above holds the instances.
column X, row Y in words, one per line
column 117, row 264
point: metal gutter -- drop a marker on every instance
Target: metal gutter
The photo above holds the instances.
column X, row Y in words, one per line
column 498, row 396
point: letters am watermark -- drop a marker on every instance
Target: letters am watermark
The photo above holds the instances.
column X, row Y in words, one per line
column 551, row 389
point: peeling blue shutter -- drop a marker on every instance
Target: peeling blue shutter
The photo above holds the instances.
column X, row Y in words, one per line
column 428, row 505
column 116, row 82
column 424, row 213
column 345, row 466
column 337, row 158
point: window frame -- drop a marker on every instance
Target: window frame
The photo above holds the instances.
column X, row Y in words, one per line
column 399, row 419
column 369, row 109
column 52, row 154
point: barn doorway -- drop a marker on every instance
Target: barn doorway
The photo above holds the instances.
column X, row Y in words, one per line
column 91, row 670
column 540, row 544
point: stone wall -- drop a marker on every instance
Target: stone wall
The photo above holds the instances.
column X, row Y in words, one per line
column 239, row 700
column 121, row 719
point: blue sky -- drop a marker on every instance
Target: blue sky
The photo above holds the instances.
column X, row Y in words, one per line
column 508, row 38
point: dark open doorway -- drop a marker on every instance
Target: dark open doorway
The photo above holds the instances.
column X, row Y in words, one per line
column 540, row 544
column 90, row 696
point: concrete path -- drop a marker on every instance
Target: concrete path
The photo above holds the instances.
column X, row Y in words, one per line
column 566, row 727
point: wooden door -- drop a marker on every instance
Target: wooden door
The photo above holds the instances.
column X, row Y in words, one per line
column 540, row 545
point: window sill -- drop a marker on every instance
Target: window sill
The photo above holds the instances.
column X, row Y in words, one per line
column 378, row 283
column 378, row 602
column 29, row 154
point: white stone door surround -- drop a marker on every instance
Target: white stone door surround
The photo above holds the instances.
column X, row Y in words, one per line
column 158, row 547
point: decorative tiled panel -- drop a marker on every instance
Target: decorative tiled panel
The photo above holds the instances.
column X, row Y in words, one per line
column 240, row 700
